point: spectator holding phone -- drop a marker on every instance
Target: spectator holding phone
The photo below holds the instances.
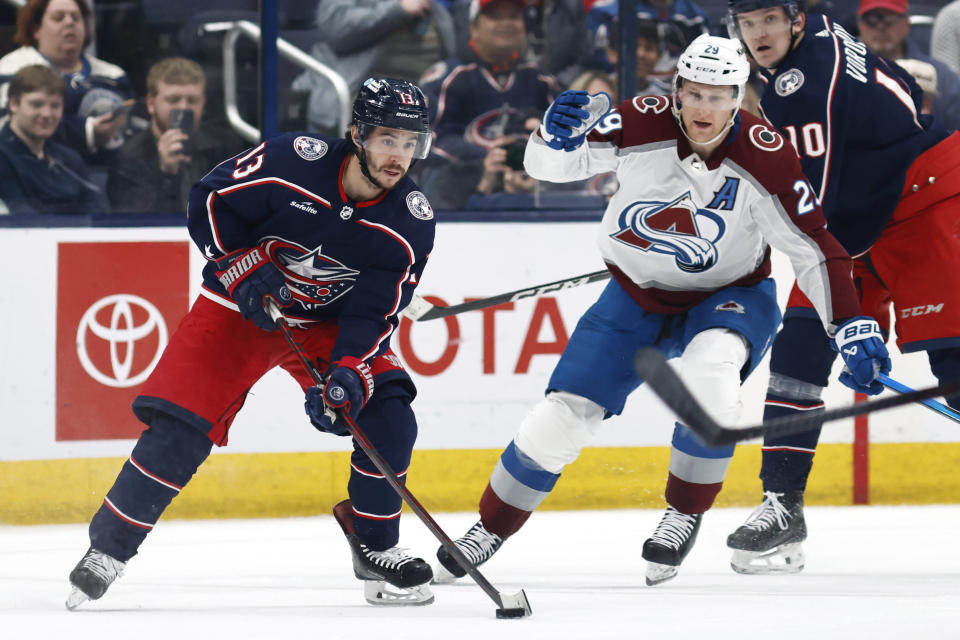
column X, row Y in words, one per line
column 154, row 170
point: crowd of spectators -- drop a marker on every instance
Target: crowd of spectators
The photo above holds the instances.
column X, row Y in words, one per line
column 77, row 135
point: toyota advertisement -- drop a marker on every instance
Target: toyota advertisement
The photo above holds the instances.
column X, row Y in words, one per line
column 90, row 323
column 117, row 304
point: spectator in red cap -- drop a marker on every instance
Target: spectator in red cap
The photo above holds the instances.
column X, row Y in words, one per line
column 482, row 109
column 884, row 27
column 556, row 33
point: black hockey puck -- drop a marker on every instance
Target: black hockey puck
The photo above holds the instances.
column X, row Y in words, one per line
column 511, row 613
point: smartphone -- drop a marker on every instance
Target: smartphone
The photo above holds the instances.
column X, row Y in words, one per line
column 515, row 151
column 183, row 119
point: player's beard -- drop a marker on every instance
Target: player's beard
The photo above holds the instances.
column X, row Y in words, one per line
column 384, row 180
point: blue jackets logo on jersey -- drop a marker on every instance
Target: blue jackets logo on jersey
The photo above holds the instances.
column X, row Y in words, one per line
column 419, row 206
column 788, row 82
column 314, row 279
column 678, row 227
column 310, row 148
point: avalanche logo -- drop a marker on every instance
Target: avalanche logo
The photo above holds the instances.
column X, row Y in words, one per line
column 677, row 228
column 315, row 280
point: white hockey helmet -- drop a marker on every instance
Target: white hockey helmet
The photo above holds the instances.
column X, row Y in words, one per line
column 714, row 61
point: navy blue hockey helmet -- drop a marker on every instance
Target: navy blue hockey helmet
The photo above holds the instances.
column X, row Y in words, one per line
column 793, row 8
column 393, row 104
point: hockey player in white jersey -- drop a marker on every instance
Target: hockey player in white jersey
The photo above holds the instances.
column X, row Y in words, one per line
column 705, row 190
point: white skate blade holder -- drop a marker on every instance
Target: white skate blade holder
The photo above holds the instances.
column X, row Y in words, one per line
column 381, row 593
column 75, row 599
column 785, row 559
column 514, row 606
column 598, row 107
column 658, row 573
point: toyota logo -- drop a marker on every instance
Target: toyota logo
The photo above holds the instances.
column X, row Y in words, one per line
column 120, row 332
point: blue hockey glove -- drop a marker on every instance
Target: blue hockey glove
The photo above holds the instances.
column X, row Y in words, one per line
column 348, row 387
column 250, row 278
column 861, row 346
column 571, row 116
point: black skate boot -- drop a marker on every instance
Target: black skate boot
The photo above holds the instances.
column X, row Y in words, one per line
column 769, row 541
column 95, row 572
column 478, row 545
column 670, row 544
column 381, row 570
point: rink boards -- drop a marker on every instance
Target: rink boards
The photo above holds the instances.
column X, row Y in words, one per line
column 82, row 331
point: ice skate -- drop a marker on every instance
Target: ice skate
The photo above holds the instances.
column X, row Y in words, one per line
column 95, row 572
column 478, row 545
column 391, row 576
column 769, row 541
column 669, row 545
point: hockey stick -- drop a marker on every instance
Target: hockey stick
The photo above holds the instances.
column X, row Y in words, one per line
column 421, row 310
column 939, row 407
column 653, row 368
column 509, row 606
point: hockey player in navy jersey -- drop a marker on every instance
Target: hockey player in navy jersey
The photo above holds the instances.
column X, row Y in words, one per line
column 889, row 183
column 334, row 232
column 705, row 190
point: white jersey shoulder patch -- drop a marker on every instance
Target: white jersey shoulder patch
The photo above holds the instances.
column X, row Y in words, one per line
column 310, row 148
column 419, row 206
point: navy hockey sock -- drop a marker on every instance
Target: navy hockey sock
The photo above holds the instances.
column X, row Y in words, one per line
column 164, row 459
column 389, row 423
column 787, row 460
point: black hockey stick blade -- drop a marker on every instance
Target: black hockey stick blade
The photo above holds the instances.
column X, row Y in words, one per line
column 509, row 606
column 420, row 310
column 653, row 368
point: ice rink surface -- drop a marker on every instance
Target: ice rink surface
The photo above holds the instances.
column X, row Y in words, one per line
column 872, row 572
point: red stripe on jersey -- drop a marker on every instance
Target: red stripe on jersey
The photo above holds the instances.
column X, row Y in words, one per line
column 213, row 223
column 343, row 193
column 283, row 183
column 399, row 289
